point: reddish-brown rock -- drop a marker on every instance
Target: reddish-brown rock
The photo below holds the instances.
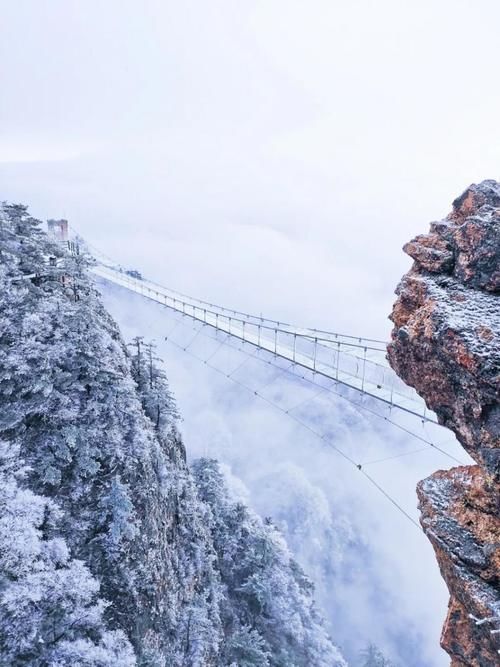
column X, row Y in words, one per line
column 446, row 344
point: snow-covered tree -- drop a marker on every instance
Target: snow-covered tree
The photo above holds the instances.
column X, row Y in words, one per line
column 50, row 609
column 129, row 510
column 268, row 612
column 372, row 656
column 157, row 400
column 113, row 543
column 151, row 379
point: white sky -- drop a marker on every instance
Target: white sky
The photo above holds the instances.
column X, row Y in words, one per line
column 272, row 156
column 295, row 146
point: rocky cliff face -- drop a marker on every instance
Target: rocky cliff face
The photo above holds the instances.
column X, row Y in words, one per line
column 446, row 344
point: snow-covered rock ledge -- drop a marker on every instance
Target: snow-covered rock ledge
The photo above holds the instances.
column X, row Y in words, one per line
column 446, row 344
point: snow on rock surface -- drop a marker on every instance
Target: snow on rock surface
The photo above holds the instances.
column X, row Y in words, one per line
column 446, row 344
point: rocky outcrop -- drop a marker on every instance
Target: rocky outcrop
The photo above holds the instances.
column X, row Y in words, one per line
column 446, row 344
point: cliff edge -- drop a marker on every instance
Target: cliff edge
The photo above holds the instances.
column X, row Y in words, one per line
column 446, row 344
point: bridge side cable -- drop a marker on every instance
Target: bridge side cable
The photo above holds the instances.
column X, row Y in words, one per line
column 356, row 404
column 313, row 431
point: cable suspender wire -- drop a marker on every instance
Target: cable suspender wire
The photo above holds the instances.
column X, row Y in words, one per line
column 173, row 329
column 307, row 400
column 316, row 433
column 407, row 401
column 221, row 344
column 390, row 498
column 312, row 332
column 346, row 398
column 387, row 419
column 395, row 456
column 246, row 360
column 330, row 338
column 192, row 340
column 272, row 403
column 428, row 442
column 276, row 376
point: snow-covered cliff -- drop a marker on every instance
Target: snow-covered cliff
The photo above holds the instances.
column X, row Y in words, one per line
column 112, row 552
column 446, row 344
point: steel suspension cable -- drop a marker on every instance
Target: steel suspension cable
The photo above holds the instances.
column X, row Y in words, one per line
column 324, row 371
column 349, row 400
column 222, row 343
column 307, row 400
column 313, row 431
column 248, row 358
column 333, row 336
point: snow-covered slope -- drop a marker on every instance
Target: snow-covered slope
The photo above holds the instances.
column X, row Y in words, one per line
column 106, row 546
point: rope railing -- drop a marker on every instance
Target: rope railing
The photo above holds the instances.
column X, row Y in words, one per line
column 346, row 364
column 355, row 362
column 325, row 335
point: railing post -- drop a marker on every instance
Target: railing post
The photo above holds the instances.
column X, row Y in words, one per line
column 294, row 346
column 364, row 366
column 275, row 341
column 315, row 352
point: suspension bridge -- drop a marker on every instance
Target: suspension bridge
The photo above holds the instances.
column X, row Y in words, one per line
column 355, row 362
column 352, row 366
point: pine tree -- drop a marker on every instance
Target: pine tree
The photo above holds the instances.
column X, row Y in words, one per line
column 372, row 656
column 268, row 611
column 68, row 397
column 50, row 609
column 157, row 400
column 114, row 542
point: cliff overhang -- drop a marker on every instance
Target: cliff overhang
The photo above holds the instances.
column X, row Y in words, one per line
column 446, row 344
